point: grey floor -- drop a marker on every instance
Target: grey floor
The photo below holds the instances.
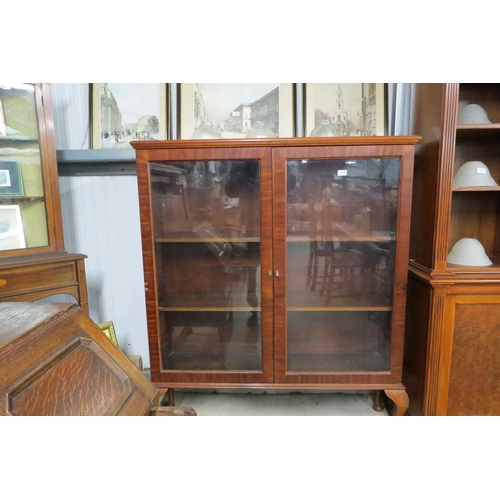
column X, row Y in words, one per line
column 280, row 404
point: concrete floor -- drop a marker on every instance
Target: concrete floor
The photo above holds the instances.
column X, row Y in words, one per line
column 280, row 404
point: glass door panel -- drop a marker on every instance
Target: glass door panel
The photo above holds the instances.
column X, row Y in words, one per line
column 23, row 220
column 340, row 247
column 206, row 217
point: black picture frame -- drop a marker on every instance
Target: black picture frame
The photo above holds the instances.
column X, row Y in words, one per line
column 187, row 104
column 133, row 95
column 366, row 105
column 11, row 179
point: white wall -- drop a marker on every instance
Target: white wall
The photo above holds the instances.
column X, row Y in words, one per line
column 70, row 106
column 101, row 220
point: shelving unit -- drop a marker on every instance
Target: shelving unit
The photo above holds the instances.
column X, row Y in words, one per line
column 33, row 262
column 451, row 334
column 277, row 263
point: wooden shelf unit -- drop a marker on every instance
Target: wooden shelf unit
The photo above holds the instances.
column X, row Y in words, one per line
column 268, row 266
column 449, row 341
column 33, row 261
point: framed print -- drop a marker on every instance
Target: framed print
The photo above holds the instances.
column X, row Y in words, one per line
column 124, row 112
column 352, row 108
column 11, row 228
column 108, row 329
column 3, row 128
column 11, row 181
column 234, row 108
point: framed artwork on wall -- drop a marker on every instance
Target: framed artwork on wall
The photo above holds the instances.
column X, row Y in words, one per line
column 124, row 112
column 11, row 228
column 11, row 180
column 351, row 108
column 234, row 108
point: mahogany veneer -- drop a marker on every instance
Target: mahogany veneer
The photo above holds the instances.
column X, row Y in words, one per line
column 452, row 354
column 277, row 263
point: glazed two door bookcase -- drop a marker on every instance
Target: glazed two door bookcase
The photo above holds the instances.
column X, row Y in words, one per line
column 277, row 263
column 33, row 262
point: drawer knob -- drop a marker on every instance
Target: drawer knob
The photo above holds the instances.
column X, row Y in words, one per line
column 3, row 282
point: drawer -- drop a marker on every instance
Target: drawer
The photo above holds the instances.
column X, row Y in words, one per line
column 37, row 277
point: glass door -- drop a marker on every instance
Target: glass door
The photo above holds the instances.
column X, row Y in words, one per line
column 212, row 246
column 339, row 255
column 23, row 218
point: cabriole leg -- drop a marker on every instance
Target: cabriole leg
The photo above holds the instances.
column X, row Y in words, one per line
column 401, row 401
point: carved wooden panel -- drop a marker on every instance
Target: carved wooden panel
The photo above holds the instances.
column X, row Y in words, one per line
column 81, row 380
column 434, row 346
column 474, row 387
column 54, row 360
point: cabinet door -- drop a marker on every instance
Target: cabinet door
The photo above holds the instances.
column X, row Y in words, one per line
column 341, row 249
column 209, row 290
column 30, row 219
column 469, row 364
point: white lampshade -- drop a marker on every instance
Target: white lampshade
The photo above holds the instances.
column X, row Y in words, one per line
column 259, row 131
column 472, row 114
column 473, row 173
column 468, row 252
column 207, row 131
column 325, row 129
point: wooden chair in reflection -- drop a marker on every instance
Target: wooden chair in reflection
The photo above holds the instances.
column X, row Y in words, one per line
column 335, row 265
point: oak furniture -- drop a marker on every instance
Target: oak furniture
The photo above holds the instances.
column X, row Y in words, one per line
column 55, row 361
column 452, row 346
column 33, row 262
column 277, row 263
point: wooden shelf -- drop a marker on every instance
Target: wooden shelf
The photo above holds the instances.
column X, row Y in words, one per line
column 189, row 237
column 207, row 302
column 343, row 232
column 481, row 127
column 192, row 361
column 18, row 138
column 494, row 268
column 478, row 131
column 475, row 188
column 15, row 200
column 337, row 301
column 331, row 363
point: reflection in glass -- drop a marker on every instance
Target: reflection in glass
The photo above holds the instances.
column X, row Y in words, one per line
column 21, row 179
column 211, row 341
column 207, row 231
column 341, row 242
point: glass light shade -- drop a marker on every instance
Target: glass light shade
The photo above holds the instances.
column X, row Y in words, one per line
column 206, row 131
column 324, row 129
column 472, row 114
column 468, row 252
column 259, row 131
column 473, row 173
